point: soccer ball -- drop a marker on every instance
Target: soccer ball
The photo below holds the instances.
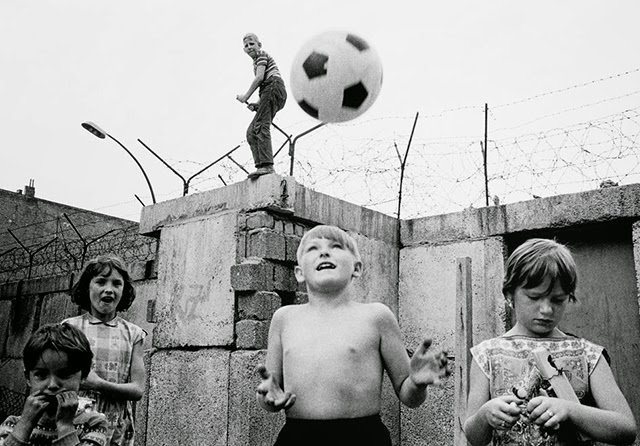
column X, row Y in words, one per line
column 336, row 76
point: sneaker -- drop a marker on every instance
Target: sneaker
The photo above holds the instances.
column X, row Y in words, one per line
column 266, row 170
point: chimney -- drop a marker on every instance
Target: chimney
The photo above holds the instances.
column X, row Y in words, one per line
column 30, row 190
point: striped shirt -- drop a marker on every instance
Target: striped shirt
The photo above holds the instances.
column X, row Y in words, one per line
column 270, row 67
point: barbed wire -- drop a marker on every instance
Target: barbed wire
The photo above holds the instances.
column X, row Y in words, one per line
column 62, row 255
column 357, row 162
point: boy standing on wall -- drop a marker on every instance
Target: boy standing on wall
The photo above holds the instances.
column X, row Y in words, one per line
column 273, row 96
column 325, row 358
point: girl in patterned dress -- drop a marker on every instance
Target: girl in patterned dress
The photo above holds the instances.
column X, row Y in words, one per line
column 117, row 375
column 508, row 402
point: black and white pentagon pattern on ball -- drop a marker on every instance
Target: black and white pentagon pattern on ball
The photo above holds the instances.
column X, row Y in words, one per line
column 336, row 76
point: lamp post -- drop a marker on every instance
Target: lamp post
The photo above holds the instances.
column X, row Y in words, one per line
column 97, row 131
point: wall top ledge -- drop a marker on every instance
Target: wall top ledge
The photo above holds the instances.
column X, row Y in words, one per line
column 269, row 191
column 278, row 194
column 599, row 205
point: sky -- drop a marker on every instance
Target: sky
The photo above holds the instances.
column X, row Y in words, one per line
column 167, row 73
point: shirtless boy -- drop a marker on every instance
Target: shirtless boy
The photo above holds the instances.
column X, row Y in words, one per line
column 325, row 358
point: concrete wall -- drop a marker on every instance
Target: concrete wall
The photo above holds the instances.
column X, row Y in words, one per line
column 35, row 220
column 225, row 264
column 598, row 225
column 427, row 296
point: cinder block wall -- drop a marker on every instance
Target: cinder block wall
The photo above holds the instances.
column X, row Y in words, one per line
column 225, row 265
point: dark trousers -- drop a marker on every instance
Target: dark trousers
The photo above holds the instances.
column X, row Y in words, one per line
column 366, row 431
column 273, row 96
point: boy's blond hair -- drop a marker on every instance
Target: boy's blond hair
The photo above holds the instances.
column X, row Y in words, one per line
column 330, row 233
column 252, row 36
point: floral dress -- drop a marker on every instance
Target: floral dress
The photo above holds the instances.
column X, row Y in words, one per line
column 112, row 345
column 507, row 363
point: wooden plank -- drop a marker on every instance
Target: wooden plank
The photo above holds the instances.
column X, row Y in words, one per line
column 464, row 341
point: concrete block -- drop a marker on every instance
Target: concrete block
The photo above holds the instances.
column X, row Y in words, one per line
column 284, row 278
column 194, row 297
column 24, row 314
column 263, row 275
column 427, row 291
column 141, row 409
column 314, row 206
column 44, row 285
column 146, row 291
column 635, row 237
column 252, row 276
column 251, row 334
column 241, row 246
column 5, row 320
column 259, row 305
column 268, row 192
column 301, row 298
column 299, row 230
column 266, row 244
column 137, row 270
column 278, row 226
column 289, row 228
column 560, row 211
column 56, row 307
column 433, row 422
column 249, row 424
column 10, row 290
column 379, row 279
column 188, row 398
column 259, row 219
column 291, row 247
column 151, row 271
column 13, row 387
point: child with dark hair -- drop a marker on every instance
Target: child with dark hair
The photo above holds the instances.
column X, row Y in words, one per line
column 508, row 402
column 56, row 359
column 273, row 95
column 117, row 376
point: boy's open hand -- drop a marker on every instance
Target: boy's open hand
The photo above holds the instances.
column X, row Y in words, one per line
column 428, row 367
column 270, row 392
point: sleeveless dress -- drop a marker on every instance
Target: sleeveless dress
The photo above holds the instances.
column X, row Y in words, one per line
column 507, row 363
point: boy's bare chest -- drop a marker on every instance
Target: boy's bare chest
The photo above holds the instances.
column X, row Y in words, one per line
column 308, row 336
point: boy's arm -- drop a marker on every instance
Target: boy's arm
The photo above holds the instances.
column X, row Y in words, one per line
column 133, row 390
column 396, row 360
column 257, row 80
column 270, row 393
column 410, row 378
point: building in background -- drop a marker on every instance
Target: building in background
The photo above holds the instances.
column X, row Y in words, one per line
column 42, row 238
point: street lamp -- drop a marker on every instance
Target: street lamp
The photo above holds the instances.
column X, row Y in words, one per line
column 97, row 131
